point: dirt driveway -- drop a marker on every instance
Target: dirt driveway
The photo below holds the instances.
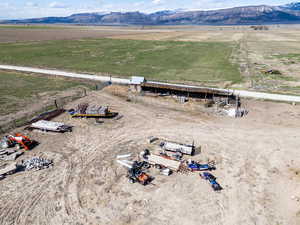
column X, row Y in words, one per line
column 257, row 162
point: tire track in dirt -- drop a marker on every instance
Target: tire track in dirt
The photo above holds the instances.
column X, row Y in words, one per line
column 65, row 173
column 251, row 175
column 24, row 205
column 90, row 156
column 93, row 189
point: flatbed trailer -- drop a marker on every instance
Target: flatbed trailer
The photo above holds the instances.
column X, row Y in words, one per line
column 107, row 115
column 45, row 125
column 87, row 111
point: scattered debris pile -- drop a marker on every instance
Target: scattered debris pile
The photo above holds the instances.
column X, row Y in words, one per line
column 45, row 125
column 9, row 154
column 227, row 107
column 136, row 170
column 140, row 167
column 136, row 173
column 230, row 108
column 36, row 163
column 8, row 170
column 235, row 112
column 160, row 161
column 93, row 111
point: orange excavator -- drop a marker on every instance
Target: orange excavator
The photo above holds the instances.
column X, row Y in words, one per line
column 18, row 140
column 136, row 174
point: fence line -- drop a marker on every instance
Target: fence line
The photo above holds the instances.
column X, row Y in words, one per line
column 58, row 102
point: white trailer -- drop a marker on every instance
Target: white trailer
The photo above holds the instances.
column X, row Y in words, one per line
column 176, row 147
column 45, row 125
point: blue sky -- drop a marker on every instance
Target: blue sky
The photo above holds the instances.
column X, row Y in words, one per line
column 15, row 9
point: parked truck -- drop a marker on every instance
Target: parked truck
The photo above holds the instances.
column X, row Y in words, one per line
column 212, row 180
column 136, row 173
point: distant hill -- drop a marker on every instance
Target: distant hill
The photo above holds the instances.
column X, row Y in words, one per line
column 292, row 6
column 261, row 14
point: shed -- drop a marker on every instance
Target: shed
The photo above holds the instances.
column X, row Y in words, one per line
column 135, row 83
column 137, row 80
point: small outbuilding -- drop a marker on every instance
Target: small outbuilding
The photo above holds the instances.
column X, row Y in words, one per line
column 136, row 83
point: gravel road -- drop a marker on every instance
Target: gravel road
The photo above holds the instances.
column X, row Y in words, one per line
column 241, row 93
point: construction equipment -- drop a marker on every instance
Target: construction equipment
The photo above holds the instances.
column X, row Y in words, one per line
column 212, row 180
column 85, row 110
column 194, row 166
column 6, row 142
column 45, row 125
column 135, row 170
column 136, row 174
column 18, row 140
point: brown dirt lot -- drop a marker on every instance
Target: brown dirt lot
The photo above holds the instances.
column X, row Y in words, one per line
column 256, row 158
column 69, row 33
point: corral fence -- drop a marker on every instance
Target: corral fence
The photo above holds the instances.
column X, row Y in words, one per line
column 60, row 102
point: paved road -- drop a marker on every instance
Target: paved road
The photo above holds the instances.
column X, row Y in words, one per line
column 245, row 94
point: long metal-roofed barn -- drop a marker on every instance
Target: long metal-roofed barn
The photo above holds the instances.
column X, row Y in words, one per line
column 140, row 84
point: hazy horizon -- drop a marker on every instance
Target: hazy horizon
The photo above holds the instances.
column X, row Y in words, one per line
column 22, row 9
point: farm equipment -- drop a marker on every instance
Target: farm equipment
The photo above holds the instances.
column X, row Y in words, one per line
column 85, row 110
column 212, row 180
column 136, row 174
column 45, row 125
column 194, row 166
column 135, row 170
column 18, row 140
